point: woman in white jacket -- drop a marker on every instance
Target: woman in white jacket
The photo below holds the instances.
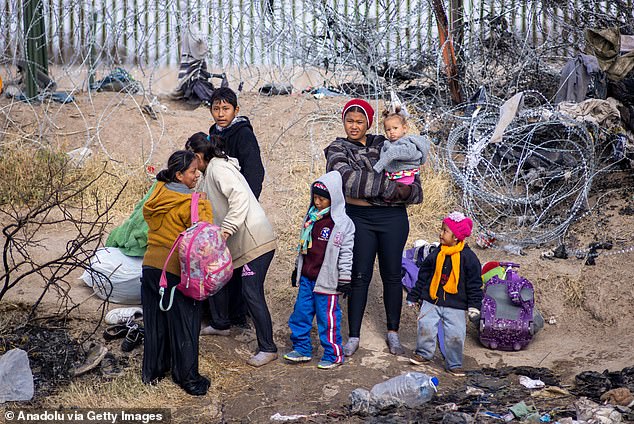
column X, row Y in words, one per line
column 248, row 232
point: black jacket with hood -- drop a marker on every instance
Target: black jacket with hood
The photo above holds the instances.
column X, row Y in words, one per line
column 243, row 145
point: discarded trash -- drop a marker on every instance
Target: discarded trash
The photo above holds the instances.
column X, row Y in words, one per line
column 94, row 356
column 552, row 320
column 78, row 157
column 279, row 417
column 513, row 249
column 457, row 418
column 620, row 396
column 546, row 418
column 521, row 410
column 588, row 411
column 474, row 391
column 271, row 89
column 529, row 383
column 16, row 378
column 550, row 392
column 411, row 389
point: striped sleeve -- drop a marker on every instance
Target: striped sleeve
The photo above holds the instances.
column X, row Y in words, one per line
column 360, row 181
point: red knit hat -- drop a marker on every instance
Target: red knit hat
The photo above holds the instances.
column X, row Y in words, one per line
column 365, row 106
column 459, row 225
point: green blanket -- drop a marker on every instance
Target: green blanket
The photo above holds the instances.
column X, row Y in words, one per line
column 131, row 236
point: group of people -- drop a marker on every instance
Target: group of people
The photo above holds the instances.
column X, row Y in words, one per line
column 357, row 212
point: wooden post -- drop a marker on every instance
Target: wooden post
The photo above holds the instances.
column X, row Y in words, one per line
column 448, row 53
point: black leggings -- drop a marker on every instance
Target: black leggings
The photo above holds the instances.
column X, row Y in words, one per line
column 253, row 275
column 379, row 230
column 171, row 338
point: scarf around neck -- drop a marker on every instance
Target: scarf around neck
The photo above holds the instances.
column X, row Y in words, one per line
column 451, row 286
column 306, row 238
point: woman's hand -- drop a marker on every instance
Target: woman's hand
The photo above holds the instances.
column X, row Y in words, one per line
column 225, row 235
column 203, row 195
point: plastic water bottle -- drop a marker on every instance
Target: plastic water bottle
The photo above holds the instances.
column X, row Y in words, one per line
column 412, row 389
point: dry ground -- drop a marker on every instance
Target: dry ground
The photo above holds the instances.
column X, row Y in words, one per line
column 592, row 306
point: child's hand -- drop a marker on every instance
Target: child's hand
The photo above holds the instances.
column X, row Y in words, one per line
column 412, row 304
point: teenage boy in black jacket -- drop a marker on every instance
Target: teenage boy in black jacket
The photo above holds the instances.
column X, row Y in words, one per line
column 238, row 135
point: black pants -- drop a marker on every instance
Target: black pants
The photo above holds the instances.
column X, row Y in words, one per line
column 253, row 275
column 227, row 306
column 171, row 338
column 379, row 230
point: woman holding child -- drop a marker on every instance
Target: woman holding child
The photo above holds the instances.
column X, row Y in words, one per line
column 377, row 206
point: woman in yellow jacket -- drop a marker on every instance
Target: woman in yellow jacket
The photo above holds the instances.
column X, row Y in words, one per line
column 171, row 337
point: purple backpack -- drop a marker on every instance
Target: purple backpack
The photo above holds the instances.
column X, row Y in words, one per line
column 506, row 316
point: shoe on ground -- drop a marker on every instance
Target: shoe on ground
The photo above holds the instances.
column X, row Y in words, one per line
column 417, row 359
column 295, row 356
column 327, row 365
column 133, row 339
column 122, row 315
column 262, row 358
column 94, row 356
column 210, row 331
column 351, row 346
column 115, row 332
column 457, row 372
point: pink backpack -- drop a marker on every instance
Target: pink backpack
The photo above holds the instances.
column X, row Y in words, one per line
column 205, row 260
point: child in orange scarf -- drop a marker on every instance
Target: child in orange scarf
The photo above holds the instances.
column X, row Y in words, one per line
column 448, row 284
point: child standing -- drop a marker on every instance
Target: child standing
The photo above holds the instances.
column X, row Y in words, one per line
column 324, row 263
column 241, row 143
column 171, row 337
column 448, row 284
column 402, row 154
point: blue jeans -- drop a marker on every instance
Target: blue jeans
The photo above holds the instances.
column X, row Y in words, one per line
column 454, row 326
column 326, row 307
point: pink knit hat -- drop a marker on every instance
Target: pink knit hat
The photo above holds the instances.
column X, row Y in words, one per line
column 459, row 225
column 360, row 103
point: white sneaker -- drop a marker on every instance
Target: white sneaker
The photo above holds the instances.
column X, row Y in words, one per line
column 122, row 315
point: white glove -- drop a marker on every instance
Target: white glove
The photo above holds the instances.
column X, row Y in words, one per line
column 474, row 314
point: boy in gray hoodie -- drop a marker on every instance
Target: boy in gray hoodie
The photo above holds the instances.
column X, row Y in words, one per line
column 323, row 269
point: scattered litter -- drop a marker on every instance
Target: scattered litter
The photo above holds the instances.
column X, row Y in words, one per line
column 94, row 356
column 521, row 410
column 457, row 418
column 411, row 389
column 148, row 110
column 79, row 156
column 119, row 80
column 529, row 383
column 16, row 378
column 546, row 418
column 279, row 417
column 552, row 320
column 619, row 396
column 446, row 407
column 550, row 392
column 272, row 89
column 474, row 391
column 588, row 411
column 513, row 249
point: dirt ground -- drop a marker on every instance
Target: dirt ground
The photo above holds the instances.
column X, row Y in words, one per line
column 590, row 308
